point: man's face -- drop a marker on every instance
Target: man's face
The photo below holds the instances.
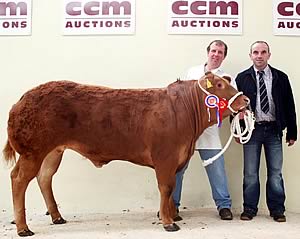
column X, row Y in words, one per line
column 216, row 55
column 260, row 55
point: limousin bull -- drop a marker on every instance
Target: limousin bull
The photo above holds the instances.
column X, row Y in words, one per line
column 156, row 128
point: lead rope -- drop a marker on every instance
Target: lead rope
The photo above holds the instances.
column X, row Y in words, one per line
column 236, row 131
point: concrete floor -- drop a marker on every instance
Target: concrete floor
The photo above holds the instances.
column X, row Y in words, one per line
column 198, row 223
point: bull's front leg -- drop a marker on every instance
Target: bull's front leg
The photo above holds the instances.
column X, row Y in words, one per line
column 166, row 186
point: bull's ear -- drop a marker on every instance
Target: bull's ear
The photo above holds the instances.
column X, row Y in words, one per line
column 209, row 75
column 206, row 80
column 228, row 78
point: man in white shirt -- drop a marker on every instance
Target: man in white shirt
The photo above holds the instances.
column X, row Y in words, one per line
column 209, row 143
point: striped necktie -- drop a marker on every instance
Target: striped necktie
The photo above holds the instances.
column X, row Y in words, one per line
column 264, row 102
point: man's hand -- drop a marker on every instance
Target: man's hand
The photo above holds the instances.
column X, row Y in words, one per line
column 237, row 140
column 241, row 115
column 290, row 142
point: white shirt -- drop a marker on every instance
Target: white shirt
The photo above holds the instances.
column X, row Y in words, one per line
column 210, row 138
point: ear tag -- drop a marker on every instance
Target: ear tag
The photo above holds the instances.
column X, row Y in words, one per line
column 208, row 84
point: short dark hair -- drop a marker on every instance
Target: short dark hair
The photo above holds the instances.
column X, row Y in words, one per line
column 259, row 42
column 218, row 42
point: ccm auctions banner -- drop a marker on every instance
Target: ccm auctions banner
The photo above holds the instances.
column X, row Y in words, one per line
column 286, row 17
column 15, row 17
column 205, row 17
column 89, row 17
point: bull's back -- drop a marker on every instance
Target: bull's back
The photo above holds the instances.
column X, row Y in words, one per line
column 91, row 118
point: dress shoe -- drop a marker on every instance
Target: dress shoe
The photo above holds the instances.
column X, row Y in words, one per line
column 225, row 214
column 278, row 217
column 246, row 216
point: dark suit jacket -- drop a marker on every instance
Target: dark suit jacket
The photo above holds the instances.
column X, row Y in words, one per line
column 282, row 95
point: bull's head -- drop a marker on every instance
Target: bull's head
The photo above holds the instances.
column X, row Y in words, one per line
column 221, row 95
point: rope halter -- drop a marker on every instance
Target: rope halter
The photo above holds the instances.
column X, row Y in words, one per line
column 213, row 101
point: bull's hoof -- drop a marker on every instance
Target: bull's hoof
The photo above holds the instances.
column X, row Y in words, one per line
column 59, row 220
column 13, row 222
column 177, row 218
column 25, row 233
column 171, row 227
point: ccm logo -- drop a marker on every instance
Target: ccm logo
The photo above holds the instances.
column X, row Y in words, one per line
column 12, row 7
column 98, row 8
column 204, row 7
column 288, row 9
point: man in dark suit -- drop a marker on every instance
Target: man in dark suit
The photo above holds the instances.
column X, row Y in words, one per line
column 272, row 101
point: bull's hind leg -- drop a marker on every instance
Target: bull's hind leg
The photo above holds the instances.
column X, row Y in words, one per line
column 48, row 169
column 24, row 171
column 173, row 210
column 166, row 184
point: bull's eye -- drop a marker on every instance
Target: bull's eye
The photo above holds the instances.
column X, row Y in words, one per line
column 219, row 85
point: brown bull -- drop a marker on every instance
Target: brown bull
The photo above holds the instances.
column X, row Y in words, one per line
column 150, row 127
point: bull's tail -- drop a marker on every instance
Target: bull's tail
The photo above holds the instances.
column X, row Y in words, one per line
column 9, row 154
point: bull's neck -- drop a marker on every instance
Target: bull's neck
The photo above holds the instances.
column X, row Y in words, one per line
column 197, row 111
